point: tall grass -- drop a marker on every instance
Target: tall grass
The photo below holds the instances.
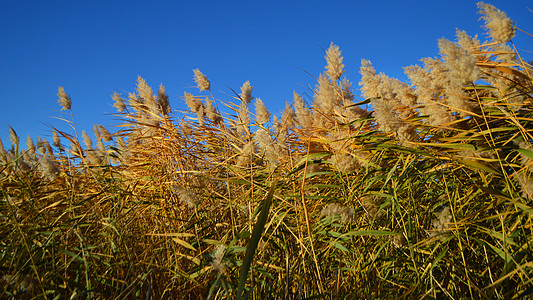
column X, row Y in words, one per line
column 417, row 190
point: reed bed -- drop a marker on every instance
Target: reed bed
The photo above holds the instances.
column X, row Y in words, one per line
column 415, row 190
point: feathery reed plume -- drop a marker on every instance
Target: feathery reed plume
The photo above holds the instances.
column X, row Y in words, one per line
column 48, row 168
column 303, row 115
column 40, row 146
column 471, row 44
column 13, row 137
column 118, row 102
column 30, row 145
column 335, row 67
column 144, row 90
column 95, row 157
column 192, row 102
column 423, row 81
column 390, row 109
column 261, row 112
column 499, row 26
column 245, row 156
column 217, row 262
column 345, row 163
column 201, row 80
column 196, row 106
column 287, row 117
column 162, row 100
column 99, row 138
column 349, row 111
column 64, row 100
column 282, row 126
column 371, row 206
column 346, row 214
column 212, row 112
column 123, row 150
column 48, row 148
column 277, row 125
column 86, row 140
column 504, row 53
column 96, row 131
column 106, row 136
column 326, row 98
column 57, row 142
column 461, row 70
column 135, row 102
column 266, row 143
column 246, row 92
column 186, row 196
column 461, row 65
column 444, row 217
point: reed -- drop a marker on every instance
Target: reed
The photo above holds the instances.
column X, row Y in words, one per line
column 418, row 189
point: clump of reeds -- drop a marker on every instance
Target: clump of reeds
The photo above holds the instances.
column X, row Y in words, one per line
column 420, row 188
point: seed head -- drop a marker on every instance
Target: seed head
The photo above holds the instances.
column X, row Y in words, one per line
column 218, row 258
column 144, row 90
column 162, row 98
column 499, row 26
column 186, row 196
column 57, row 141
column 461, row 65
column 64, row 100
column 13, row 137
column 246, row 92
column 335, row 67
column 193, row 103
column 30, row 145
column 346, row 214
column 201, row 80
column 261, row 112
column 119, row 102
column 86, row 140
column 48, row 168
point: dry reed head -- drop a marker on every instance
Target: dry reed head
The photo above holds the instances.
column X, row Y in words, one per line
column 246, row 92
column 57, row 141
column 261, row 112
column 471, row 44
column 186, row 196
column 201, row 80
column 30, row 145
column 64, row 100
column 162, row 100
column 48, row 168
column 270, row 149
column 118, row 102
column 335, row 67
column 345, row 213
column 13, row 137
column 499, row 26
column 87, row 140
column 461, row 65
column 217, row 259
column 144, row 90
column 192, row 102
column 390, row 100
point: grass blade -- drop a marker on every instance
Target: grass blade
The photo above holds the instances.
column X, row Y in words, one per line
column 254, row 240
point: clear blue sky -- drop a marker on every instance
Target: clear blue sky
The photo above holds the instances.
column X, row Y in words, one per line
column 94, row 48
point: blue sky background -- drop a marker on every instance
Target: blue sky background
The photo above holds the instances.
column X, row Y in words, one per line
column 94, row 48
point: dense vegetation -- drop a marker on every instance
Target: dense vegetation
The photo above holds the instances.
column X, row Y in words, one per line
column 419, row 189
